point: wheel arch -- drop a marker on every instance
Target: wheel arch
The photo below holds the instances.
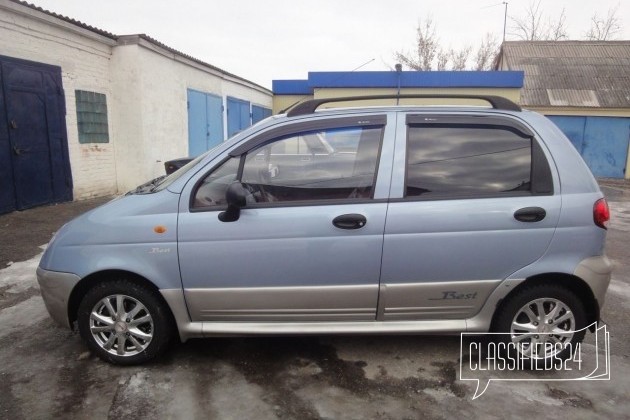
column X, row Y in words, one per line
column 89, row 281
column 569, row 281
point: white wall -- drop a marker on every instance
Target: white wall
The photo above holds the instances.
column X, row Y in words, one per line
column 157, row 83
column 127, row 116
column 84, row 59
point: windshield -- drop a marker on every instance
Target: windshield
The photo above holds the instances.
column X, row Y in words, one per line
column 168, row 180
column 161, row 183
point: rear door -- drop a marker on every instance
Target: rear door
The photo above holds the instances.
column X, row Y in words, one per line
column 288, row 257
column 472, row 202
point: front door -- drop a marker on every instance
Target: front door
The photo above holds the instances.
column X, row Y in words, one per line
column 307, row 246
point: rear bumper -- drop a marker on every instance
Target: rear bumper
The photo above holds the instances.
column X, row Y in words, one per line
column 56, row 288
column 596, row 272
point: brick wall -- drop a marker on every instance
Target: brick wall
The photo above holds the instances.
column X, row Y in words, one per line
column 85, row 65
column 146, row 89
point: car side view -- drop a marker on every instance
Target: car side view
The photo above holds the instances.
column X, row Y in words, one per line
column 366, row 220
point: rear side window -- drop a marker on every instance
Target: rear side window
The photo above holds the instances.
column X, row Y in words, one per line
column 467, row 160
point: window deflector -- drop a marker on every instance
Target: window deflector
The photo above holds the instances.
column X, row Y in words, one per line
column 319, row 124
column 541, row 177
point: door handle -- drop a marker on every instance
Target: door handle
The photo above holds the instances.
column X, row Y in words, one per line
column 350, row 221
column 530, row 214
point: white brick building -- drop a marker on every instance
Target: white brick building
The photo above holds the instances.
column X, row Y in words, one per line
column 144, row 84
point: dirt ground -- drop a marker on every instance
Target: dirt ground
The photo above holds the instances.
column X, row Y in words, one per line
column 22, row 232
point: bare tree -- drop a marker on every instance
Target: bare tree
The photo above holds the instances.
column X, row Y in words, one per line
column 603, row 29
column 429, row 54
column 442, row 59
column 558, row 29
column 459, row 58
column 486, row 53
column 533, row 26
column 528, row 28
column 426, row 49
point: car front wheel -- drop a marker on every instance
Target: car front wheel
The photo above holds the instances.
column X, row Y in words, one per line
column 124, row 323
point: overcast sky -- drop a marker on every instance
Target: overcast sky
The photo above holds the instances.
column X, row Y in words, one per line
column 263, row 40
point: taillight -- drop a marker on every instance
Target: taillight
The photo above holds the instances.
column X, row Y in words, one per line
column 601, row 213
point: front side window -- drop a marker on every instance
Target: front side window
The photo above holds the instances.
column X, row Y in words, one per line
column 452, row 160
column 331, row 164
column 211, row 190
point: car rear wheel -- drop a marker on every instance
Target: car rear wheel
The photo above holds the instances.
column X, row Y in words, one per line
column 124, row 323
column 543, row 323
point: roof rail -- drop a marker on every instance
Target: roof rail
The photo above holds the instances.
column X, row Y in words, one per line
column 309, row 107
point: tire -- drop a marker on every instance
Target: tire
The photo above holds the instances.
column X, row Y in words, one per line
column 141, row 334
column 520, row 321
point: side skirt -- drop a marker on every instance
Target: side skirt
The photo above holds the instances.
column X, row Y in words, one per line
column 478, row 323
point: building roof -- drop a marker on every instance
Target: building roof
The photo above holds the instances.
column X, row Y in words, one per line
column 136, row 39
column 570, row 73
column 128, row 39
column 67, row 19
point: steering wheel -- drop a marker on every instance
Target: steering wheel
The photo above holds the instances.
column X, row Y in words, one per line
column 259, row 194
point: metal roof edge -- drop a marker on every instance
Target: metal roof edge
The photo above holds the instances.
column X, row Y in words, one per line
column 66, row 19
column 119, row 40
column 405, row 79
column 291, row 87
column 158, row 47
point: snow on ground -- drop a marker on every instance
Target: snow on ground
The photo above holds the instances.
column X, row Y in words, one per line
column 20, row 276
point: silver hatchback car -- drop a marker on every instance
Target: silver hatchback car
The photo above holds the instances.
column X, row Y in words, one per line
column 372, row 220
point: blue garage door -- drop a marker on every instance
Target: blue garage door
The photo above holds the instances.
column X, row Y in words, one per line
column 237, row 115
column 205, row 121
column 602, row 142
column 259, row 113
column 34, row 162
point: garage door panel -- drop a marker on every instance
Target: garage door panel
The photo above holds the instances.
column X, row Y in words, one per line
column 602, row 142
column 606, row 145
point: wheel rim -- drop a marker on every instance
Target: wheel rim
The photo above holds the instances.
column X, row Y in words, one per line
column 121, row 325
column 542, row 328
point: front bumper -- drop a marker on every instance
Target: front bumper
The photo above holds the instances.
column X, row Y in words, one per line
column 56, row 288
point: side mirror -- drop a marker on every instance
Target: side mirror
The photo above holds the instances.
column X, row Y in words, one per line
column 236, row 198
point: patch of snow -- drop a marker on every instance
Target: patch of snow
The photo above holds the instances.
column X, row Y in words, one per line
column 20, row 276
